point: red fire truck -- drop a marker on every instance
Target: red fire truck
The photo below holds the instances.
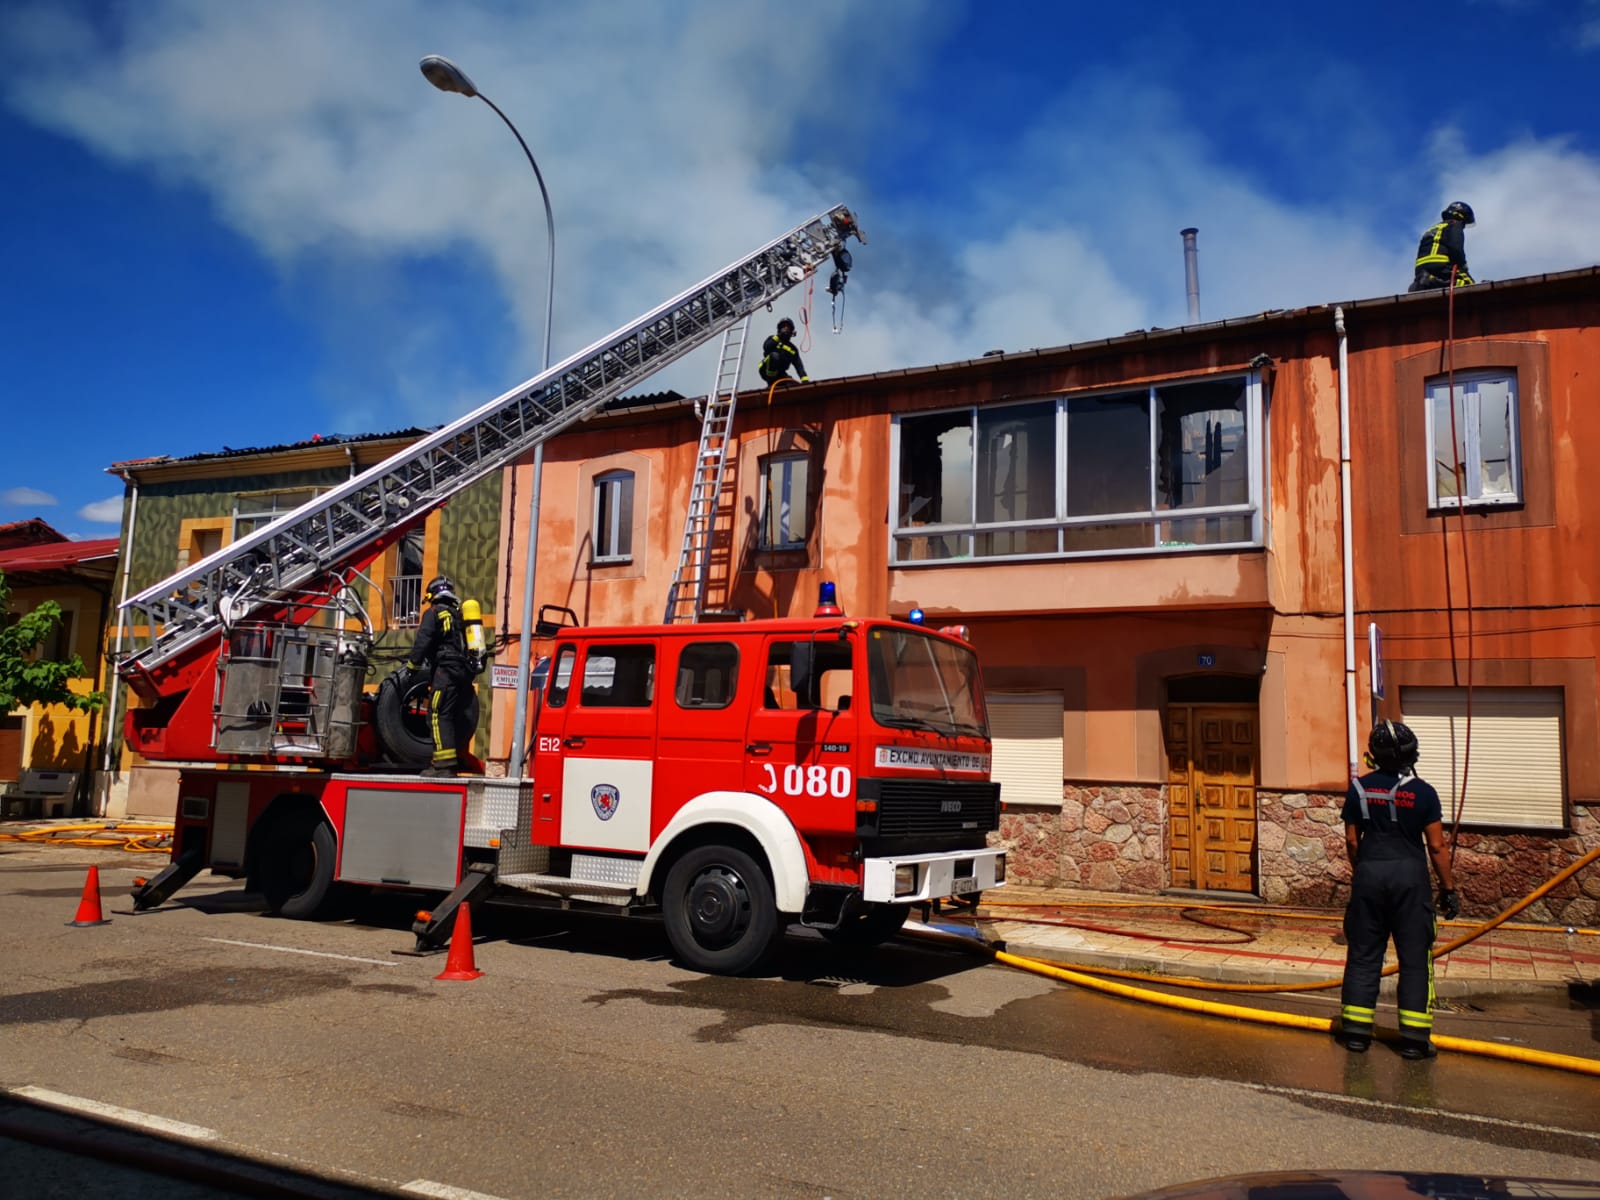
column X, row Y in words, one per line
column 734, row 776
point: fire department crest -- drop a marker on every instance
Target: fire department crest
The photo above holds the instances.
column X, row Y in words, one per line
column 605, row 799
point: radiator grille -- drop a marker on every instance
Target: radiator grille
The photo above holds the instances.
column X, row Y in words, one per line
column 916, row 808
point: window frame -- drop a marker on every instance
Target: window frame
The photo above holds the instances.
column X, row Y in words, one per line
column 694, row 657
column 963, row 536
column 784, row 459
column 618, row 532
column 245, row 520
column 1473, row 461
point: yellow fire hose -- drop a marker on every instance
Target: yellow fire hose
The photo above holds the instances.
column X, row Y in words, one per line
column 1555, row 880
column 133, row 836
column 1087, row 976
column 1539, row 1058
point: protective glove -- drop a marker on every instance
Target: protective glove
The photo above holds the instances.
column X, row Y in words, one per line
column 402, row 676
column 1449, row 903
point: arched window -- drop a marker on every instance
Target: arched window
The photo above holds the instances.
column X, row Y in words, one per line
column 612, row 527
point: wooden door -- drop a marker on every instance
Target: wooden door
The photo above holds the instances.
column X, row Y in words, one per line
column 1212, row 753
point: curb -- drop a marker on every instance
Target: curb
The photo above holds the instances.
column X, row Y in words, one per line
column 1158, row 968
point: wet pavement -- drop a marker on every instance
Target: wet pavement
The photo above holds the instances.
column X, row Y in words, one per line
column 1256, row 943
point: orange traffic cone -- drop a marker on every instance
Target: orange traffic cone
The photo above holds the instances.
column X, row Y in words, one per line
column 460, row 965
column 89, row 906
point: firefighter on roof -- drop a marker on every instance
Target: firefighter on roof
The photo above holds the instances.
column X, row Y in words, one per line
column 442, row 648
column 778, row 355
column 1443, row 251
column 1392, row 826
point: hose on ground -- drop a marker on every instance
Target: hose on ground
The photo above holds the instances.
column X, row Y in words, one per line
column 135, row 837
column 1239, row 1012
column 1554, row 881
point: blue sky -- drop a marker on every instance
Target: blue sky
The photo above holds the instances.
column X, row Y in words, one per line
column 240, row 223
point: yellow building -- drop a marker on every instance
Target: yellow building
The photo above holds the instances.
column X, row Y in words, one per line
column 41, row 564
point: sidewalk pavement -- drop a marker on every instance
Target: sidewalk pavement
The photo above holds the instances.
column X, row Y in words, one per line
column 1226, row 940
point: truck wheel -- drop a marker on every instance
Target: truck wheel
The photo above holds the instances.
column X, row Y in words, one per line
column 296, row 865
column 720, row 912
column 872, row 926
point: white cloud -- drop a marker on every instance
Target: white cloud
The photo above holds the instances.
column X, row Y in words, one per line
column 1589, row 26
column 1531, row 200
column 675, row 138
column 26, row 497
column 106, row 512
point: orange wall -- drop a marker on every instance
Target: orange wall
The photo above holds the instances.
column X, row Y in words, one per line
column 1532, row 572
column 1269, row 614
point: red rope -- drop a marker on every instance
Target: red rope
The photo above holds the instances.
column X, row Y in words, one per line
column 1466, row 569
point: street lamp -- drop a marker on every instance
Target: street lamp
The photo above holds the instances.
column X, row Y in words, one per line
column 448, row 77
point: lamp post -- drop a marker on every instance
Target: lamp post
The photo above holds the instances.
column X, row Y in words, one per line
column 448, row 77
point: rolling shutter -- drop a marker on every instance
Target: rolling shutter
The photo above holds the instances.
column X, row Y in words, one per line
column 1026, row 729
column 1514, row 770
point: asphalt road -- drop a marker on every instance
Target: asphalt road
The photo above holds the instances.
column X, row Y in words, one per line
column 585, row 1063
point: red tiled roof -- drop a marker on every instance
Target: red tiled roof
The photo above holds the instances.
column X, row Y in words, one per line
column 28, row 532
column 53, row 556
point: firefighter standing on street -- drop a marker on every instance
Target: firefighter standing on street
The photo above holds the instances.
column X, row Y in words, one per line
column 1442, row 253
column 1392, row 826
column 778, row 355
column 441, row 648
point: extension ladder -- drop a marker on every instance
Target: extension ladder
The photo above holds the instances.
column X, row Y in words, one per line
column 686, row 597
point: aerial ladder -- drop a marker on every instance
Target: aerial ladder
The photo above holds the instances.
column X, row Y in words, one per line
column 257, row 650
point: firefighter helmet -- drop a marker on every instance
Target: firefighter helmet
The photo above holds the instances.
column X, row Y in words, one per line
column 440, row 589
column 788, row 325
column 1393, row 746
column 1458, row 210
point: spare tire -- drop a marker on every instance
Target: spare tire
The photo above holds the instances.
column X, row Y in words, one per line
column 402, row 723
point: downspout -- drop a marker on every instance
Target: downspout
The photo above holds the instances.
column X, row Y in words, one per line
column 351, row 455
column 113, row 679
column 1346, row 553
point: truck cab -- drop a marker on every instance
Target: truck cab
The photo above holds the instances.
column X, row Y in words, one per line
column 744, row 776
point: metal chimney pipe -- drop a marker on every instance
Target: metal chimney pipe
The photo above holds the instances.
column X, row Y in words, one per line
column 1191, row 271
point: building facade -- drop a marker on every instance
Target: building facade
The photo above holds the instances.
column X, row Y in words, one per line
column 1147, row 538
column 40, row 564
column 177, row 511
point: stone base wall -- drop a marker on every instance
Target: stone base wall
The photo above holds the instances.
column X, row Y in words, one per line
column 1495, row 870
column 1112, row 838
column 1107, row 837
column 1300, row 855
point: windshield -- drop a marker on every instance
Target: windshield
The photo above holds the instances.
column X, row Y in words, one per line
column 923, row 682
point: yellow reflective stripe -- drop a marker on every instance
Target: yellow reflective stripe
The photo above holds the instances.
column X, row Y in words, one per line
column 1433, row 255
column 1364, row 1016
column 1416, row 1020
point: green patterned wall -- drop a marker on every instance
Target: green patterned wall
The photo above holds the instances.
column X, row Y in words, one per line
column 469, row 542
column 469, row 539
column 163, row 507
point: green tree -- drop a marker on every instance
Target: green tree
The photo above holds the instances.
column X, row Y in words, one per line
column 26, row 678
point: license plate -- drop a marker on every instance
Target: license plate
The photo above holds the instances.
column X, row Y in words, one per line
column 962, row 884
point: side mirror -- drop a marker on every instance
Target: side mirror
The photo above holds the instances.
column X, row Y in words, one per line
column 803, row 674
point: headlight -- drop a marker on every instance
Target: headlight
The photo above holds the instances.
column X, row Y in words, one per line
column 905, row 880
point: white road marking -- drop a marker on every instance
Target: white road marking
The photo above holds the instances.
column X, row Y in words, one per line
column 444, row 1191
column 376, row 962
column 111, row 1112
column 1455, row 1116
